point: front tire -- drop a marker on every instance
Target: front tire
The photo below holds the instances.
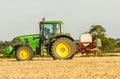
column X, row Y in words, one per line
column 63, row 48
column 24, row 53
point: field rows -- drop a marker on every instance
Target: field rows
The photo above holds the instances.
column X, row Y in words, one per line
column 77, row 68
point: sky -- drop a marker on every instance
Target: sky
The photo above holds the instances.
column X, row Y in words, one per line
column 22, row 17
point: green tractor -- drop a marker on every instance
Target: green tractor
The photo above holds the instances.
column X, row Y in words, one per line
column 51, row 41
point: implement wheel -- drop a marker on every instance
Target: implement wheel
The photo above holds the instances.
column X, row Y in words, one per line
column 63, row 48
column 24, row 53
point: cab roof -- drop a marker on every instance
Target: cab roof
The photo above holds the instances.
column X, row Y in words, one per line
column 52, row 22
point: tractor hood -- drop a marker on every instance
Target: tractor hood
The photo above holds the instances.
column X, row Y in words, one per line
column 25, row 39
column 24, row 36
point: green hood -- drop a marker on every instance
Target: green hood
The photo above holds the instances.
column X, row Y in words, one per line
column 24, row 38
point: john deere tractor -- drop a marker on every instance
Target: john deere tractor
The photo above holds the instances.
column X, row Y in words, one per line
column 51, row 41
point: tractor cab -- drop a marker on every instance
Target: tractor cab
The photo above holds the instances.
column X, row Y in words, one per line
column 50, row 28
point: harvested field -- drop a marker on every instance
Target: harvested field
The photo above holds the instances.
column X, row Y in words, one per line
column 77, row 68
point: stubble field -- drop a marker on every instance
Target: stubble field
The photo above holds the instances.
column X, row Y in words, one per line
column 47, row 68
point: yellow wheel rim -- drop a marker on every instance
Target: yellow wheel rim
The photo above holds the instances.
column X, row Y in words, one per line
column 63, row 49
column 24, row 54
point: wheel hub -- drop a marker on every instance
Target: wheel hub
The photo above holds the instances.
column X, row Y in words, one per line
column 24, row 54
column 63, row 49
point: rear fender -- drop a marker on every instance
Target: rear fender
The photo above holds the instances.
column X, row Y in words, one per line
column 62, row 36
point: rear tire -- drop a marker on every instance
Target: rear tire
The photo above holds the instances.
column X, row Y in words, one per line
column 24, row 53
column 63, row 48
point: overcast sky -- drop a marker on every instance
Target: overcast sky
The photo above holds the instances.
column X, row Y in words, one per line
column 21, row 17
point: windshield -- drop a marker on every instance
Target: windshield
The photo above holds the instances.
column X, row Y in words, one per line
column 51, row 29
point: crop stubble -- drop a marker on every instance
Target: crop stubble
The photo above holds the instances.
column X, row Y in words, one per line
column 77, row 68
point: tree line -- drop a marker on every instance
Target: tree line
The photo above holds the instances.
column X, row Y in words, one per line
column 108, row 44
column 4, row 44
